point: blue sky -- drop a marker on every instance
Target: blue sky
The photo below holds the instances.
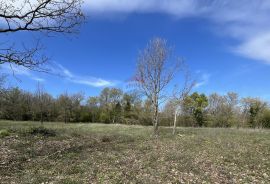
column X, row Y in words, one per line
column 225, row 43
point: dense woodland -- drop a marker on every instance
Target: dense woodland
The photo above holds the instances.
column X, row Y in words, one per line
column 115, row 106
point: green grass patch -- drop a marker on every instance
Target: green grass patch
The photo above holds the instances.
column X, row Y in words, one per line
column 97, row 153
column 4, row 133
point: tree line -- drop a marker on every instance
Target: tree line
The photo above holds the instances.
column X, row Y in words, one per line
column 115, row 106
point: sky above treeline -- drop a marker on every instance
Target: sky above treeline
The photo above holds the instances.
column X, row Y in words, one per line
column 226, row 44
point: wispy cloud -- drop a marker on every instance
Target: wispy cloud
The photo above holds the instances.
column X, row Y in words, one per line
column 19, row 70
column 247, row 21
column 203, row 79
column 175, row 7
column 256, row 48
column 38, row 79
column 85, row 80
column 60, row 71
column 244, row 20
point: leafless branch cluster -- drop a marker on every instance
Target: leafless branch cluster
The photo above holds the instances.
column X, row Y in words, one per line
column 46, row 16
column 179, row 94
column 155, row 69
column 40, row 15
column 26, row 57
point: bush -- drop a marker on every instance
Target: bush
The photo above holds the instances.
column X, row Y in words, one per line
column 85, row 117
column 105, row 118
column 144, row 120
column 186, row 121
column 130, row 121
column 4, row 133
column 220, row 120
column 42, row 131
column 265, row 119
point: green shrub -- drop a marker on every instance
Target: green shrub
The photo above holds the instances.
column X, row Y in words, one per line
column 104, row 118
column 265, row 119
column 85, row 117
column 4, row 133
column 129, row 121
column 42, row 131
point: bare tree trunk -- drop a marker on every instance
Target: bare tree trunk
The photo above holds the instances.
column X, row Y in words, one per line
column 41, row 112
column 113, row 119
column 41, row 118
column 175, row 121
column 65, row 116
column 155, row 119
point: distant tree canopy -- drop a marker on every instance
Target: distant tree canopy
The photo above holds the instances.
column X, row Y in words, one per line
column 196, row 104
column 45, row 16
column 115, row 106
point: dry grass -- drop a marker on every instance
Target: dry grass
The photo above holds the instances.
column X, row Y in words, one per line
column 95, row 153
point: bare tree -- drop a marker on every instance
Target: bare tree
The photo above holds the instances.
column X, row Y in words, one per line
column 155, row 69
column 179, row 96
column 42, row 101
column 75, row 106
column 65, row 104
column 46, row 16
column 223, row 109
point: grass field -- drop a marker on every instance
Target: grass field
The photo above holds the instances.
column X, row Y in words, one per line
column 96, row 153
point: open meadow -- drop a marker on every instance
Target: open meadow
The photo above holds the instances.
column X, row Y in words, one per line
column 134, row 92
column 98, row 153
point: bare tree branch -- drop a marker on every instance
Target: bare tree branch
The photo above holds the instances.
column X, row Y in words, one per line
column 62, row 16
column 28, row 58
column 179, row 95
column 46, row 16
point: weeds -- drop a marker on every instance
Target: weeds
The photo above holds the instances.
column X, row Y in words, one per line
column 95, row 153
column 42, row 131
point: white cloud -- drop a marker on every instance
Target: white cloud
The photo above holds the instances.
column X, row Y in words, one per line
column 204, row 79
column 175, row 7
column 65, row 71
column 19, row 70
column 85, row 80
column 247, row 21
column 94, row 82
column 257, row 48
column 58, row 70
column 38, row 79
column 16, row 70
